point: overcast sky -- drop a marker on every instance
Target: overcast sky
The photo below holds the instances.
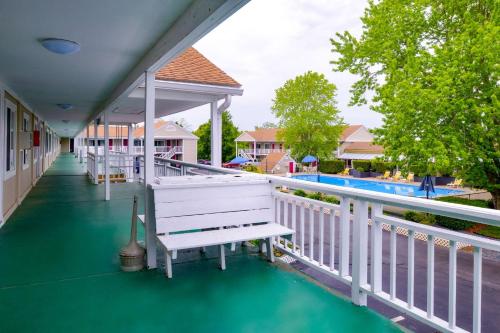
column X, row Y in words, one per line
column 270, row 41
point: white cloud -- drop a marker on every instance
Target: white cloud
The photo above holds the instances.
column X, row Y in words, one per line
column 268, row 42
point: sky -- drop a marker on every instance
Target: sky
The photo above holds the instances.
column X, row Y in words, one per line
column 268, row 42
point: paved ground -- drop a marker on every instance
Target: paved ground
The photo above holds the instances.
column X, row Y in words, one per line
column 491, row 281
column 59, row 272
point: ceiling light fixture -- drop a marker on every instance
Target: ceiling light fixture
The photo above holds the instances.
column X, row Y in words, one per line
column 65, row 106
column 60, row 46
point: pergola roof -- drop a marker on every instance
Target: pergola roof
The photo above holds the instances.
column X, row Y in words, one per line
column 192, row 67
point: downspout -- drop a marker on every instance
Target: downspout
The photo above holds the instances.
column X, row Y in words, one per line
column 223, row 107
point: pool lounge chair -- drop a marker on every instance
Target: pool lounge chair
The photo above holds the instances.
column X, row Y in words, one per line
column 456, row 183
column 386, row 175
column 345, row 172
column 410, row 178
column 397, row 176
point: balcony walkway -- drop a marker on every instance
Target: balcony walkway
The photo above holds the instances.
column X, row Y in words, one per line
column 60, row 272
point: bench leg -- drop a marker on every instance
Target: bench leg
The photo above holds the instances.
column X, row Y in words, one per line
column 270, row 250
column 262, row 246
column 168, row 264
column 203, row 249
column 233, row 247
column 222, row 257
column 174, row 254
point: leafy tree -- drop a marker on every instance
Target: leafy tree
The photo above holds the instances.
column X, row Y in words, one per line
column 432, row 69
column 229, row 134
column 267, row 124
column 308, row 116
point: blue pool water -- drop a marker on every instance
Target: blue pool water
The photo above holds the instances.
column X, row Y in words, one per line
column 371, row 185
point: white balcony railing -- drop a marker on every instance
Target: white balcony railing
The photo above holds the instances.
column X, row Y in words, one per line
column 121, row 166
column 139, row 150
column 361, row 224
column 261, row 151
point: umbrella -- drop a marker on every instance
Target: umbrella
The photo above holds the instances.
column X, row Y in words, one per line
column 238, row 160
column 427, row 185
column 309, row 159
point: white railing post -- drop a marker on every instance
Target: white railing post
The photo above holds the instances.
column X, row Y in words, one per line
column 96, row 154
column 477, row 290
column 344, row 227
column 149, row 168
column 107, row 181
column 376, row 249
column 359, row 252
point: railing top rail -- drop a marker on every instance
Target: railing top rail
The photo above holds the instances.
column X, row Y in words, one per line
column 469, row 213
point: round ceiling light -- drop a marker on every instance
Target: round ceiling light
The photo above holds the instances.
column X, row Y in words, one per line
column 60, row 46
column 65, row 106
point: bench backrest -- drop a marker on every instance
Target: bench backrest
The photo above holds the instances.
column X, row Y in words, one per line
column 212, row 205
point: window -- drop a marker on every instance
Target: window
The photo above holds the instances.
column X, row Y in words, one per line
column 10, row 138
column 25, row 153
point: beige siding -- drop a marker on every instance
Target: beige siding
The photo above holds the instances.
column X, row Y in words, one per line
column 361, row 135
column 9, row 195
column 190, row 151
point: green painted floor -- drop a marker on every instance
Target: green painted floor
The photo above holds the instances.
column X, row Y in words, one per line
column 59, row 273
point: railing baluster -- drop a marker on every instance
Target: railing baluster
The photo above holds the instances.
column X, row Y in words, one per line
column 302, row 231
column 332, row 239
column 430, row 276
column 345, row 218
column 452, row 285
column 285, row 219
column 278, row 218
column 392, row 274
column 294, row 225
column 311, row 232
column 477, row 289
column 411, row 268
column 376, row 250
column 321, row 234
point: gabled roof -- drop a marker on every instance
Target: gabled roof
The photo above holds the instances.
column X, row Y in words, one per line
column 166, row 129
column 363, row 148
column 270, row 161
column 192, row 67
column 263, row 134
column 349, row 130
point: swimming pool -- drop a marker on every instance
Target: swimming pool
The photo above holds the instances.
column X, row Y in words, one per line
column 372, row 185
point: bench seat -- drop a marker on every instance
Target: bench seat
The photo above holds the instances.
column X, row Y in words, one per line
column 222, row 236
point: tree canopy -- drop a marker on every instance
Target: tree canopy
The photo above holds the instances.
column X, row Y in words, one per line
column 229, row 134
column 431, row 68
column 267, row 124
column 306, row 109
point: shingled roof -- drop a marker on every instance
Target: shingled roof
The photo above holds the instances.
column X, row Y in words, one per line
column 348, row 131
column 192, row 67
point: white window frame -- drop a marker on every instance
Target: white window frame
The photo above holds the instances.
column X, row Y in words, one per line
column 12, row 132
column 36, row 150
column 25, row 153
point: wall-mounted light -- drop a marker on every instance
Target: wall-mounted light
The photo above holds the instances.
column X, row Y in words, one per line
column 65, row 106
column 60, row 46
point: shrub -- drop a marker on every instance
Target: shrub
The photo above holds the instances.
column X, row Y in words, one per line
column 381, row 166
column 423, row 218
column 331, row 199
column 315, row 196
column 333, row 166
column 362, row 164
column 300, row 193
column 452, row 223
column 360, row 169
column 252, row 168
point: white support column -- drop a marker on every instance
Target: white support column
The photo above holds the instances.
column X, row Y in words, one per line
column 96, row 154
column 216, row 135
column 130, row 148
column 359, row 252
column 87, row 142
column 149, row 117
column 106, row 157
column 2, row 154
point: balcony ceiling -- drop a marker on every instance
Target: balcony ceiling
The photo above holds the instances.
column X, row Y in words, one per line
column 119, row 40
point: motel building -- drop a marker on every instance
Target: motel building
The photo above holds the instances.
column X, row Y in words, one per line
column 225, row 250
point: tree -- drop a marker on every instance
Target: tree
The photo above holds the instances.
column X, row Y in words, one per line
column 267, row 124
column 307, row 113
column 229, row 134
column 432, row 69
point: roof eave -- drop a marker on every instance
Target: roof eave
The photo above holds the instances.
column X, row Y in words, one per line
column 199, row 88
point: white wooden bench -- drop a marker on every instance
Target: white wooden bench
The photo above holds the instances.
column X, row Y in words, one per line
column 200, row 211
